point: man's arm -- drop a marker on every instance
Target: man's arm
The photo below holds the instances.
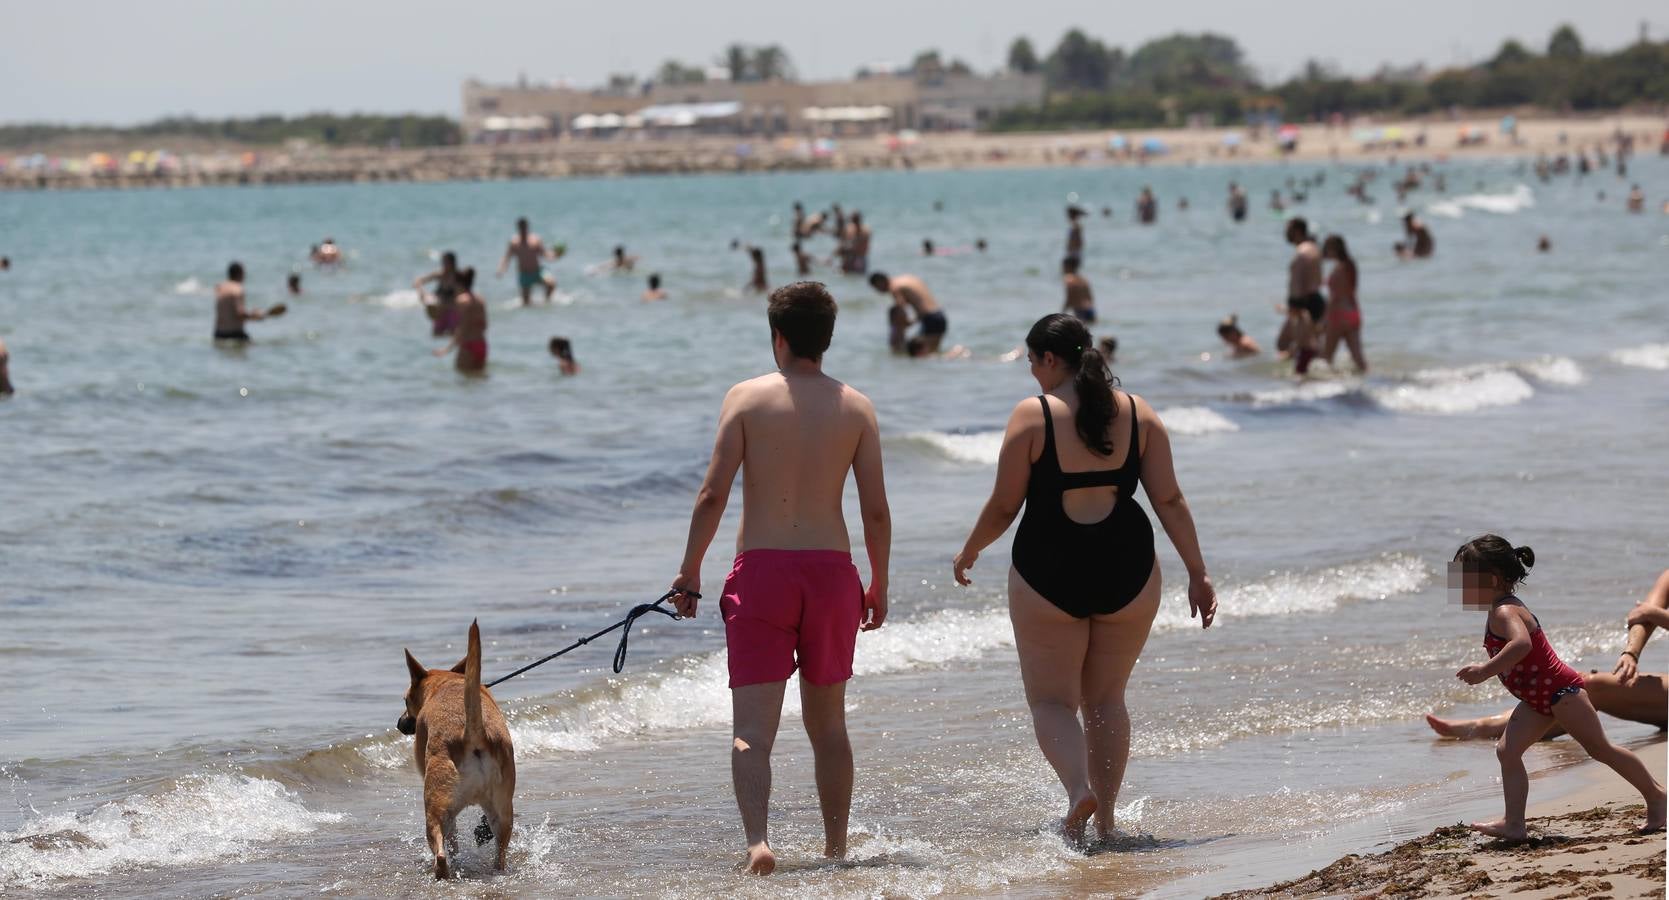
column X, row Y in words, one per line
column 710, row 501
column 504, row 263
column 877, row 518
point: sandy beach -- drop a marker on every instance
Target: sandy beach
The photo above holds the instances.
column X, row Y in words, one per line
column 78, row 164
column 1583, row 844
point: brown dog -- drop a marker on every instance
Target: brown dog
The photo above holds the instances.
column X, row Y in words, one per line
column 463, row 751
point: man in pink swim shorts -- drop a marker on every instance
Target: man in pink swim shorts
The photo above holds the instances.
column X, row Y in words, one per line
column 793, row 599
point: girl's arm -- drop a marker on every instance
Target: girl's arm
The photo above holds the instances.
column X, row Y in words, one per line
column 1159, row 479
column 1506, row 622
column 1009, row 493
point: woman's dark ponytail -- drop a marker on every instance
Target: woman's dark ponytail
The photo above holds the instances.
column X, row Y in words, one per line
column 1068, row 339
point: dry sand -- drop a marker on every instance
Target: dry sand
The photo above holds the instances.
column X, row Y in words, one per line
column 1582, row 845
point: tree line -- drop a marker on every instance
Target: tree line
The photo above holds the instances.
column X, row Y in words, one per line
column 1165, row 81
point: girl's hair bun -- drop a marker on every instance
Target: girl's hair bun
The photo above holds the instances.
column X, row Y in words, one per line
column 1525, row 555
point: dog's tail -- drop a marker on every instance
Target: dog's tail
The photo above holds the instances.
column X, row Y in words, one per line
column 473, row 729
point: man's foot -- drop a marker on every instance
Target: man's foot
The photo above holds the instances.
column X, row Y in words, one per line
column 760, row 861
column 1654, row 815
column 1072, row 827
column 1501, row 829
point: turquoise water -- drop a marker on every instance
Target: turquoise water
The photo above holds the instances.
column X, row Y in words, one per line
column 213, row 557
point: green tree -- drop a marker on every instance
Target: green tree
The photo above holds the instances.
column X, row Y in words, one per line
column 1183, row 61
column 1564, row 44
column 1078, row 62
column 1021, row 56
column 771, row 63
column 674, row 72
column 737, row 60
column 1511, row 53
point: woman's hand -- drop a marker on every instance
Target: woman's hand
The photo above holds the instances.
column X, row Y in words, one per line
column 1202, row 599
column 963, row 562
column 1473, row 675
column 1628, row 668
column 685, row 600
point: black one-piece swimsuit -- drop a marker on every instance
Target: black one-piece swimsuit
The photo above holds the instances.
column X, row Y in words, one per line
column 1086, row 570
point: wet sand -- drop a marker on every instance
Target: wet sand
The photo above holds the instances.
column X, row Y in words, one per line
column 1584, row 844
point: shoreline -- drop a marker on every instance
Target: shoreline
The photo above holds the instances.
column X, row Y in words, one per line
column 1583, row 843
column 251, row 166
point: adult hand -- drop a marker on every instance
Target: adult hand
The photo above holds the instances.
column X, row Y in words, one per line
column 874, row 606
column 686, row 587
column 1473, row 675
column 442, row 351
column 1628, row 669
column 960, row 566
column 1202, row 599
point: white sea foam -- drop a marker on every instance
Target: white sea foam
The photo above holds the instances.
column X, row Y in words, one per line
column 200, row 819
column 695, row 693
column 984, row 447
column 401, row 299
column 1645, row 356
column 1560, row 370
column 1305, row 392
column 1516, row 200
column 191, row 286
column 1193, row 420
column 1454, row 391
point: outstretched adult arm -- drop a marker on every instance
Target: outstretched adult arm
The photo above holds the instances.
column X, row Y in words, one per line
column 1653, row 612
column 710, row 501
column 1159, row 479
column 877, row 518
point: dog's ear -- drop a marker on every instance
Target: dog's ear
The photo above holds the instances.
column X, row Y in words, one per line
column 418, row 673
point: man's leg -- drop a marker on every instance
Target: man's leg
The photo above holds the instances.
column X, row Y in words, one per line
column 757, row 711
column 824, row 710
column 550, row 286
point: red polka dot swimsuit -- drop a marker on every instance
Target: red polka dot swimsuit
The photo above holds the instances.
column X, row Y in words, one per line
column 1540, row 679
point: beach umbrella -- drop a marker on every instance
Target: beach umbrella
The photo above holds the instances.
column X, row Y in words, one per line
column 1117, row 142
column 1393, row 133
column 584, row 122
column 1232, row 139
column 1153, row 145
column 1508, row 124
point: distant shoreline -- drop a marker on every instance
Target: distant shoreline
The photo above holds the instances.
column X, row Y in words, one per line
column 588, row 158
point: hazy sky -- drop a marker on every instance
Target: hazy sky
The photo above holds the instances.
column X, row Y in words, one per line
column 123, row 62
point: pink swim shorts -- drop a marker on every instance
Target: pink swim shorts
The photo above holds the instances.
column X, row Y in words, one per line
column 791, row 608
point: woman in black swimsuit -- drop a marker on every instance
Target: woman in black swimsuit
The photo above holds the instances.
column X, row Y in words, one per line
column 1084, row 586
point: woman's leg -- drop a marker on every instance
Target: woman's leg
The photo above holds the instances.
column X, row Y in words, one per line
column 1577, row 714
column 1646, row 699
column 1523, row 729
column 1353, row 340
column 1052, row 646
column 1332, row 345
column 1115, row 642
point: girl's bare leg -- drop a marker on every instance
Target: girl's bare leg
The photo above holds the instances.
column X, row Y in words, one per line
column 1523, row 730
column 1353, row 341
column 1052, row 646
column 1577, row 714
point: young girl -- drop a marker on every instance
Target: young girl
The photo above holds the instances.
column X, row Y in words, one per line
column 1486, row 569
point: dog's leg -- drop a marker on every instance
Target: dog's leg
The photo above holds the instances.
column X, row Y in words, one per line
column 437, row 843
column 500, row 816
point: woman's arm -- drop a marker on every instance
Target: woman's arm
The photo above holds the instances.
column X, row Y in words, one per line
column 1653, row 612
column 1159, row 479
column 1014, row 463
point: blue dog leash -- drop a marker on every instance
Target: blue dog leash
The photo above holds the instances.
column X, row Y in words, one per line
column 637, row 612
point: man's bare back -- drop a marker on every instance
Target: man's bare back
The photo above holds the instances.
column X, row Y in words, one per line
column 912, row 290
column 1304, row 276
column 799, row 435
column 528, row 251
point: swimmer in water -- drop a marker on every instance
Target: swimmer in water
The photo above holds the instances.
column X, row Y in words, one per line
column 229, row 311
column 563, row 350
column 1420, row 244
column 1237, row 202
column 898, row 327
column 621, row 262
column 1074, row 231
column 927, row 247
column 293, row 284
column 327, row 253
column 5, row 371
column 1240, row 343
column 980, row 244
column 5, row 264
column 654, row 291
column 759, row 284
column 908, row 290
column 1109, row 347
column 856, row 258
column 1636, row 200
column 1344, row 316
column 529, row 253
column 1079, row 301
column 802, row 260
column 1306, row 308
column 1544, row 244
column 443, row 311
column 1147, row 207
column 470, row 338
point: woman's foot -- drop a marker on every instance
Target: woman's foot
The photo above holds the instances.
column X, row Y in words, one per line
column 1501, row 828
column 760, row 861
column 1654, row 814
column 1077, row 818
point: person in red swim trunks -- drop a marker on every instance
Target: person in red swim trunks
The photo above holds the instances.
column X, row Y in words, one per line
column 793, row 598
column 1486, row 570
